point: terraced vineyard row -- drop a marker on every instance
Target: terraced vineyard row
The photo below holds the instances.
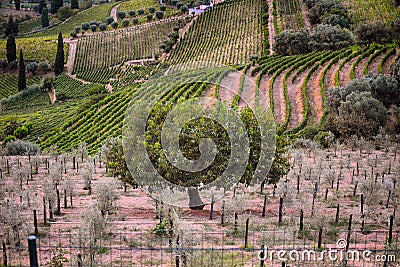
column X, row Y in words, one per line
column 38, row 48
column 289, row 14
column 370, row 11
column 112, row 48
column 296, row 86
column 105, row 118
column 230, row 33
column 9, row 84
column 120, row 76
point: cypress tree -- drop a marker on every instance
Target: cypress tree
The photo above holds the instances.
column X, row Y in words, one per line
column 42, row 4
column 11, row 49
column 59, row 64
column 55, row 5
column 17, row 4
column 45, row 17
column 11, row 27
column 74, row 4
column 21, row 72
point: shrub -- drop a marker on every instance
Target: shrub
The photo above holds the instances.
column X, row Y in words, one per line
column 85, row 26
column 77, row 29
column 125, row 22
column 149, row 17
column 9, row 139
column 292, row 42
column 163, row 8
column 152, row 10
column 179, row 5
column 97, row 89
column 360, row 114
column 184, row 9
column 103, row 27
column 32, row 67
column 135, row 20
column 114, row 24
column 109, row 20
column 64, row 13
column 93, row 27
column 21, row 148
column 140, row 11
column 327, row 37
column 121, row 14
column 159, row 14
column 43, row 67
column 21, row 132
column 54, row 21
column 73, row 35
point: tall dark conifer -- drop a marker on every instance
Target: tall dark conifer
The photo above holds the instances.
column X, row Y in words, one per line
column 59, row 63
column 21, row 72
column 11, row 49
column 45, row 17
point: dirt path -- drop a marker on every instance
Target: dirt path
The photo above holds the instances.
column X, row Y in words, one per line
column 359, row 70
column 71, row 54
column 304, row 13
column 229, row 87
column 264, row 92
column 331, row 74
column 79, row 79
column 249, row 90
column 373, row 66
column 279, row 99
column 271, row 29
column 314, row 96
column 296, row 104
column 344, row 75
column 114, row 11
column 389, row 62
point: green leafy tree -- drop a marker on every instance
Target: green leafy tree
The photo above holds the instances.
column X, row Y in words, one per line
column 59, row 63
column 21, row 72
column 292, row 42
column 328, row 37
column 11, row 48
column 45, row 17
column 395, row 31
column 74, row 4
column 114, row 158
column 360, row 115
column 47, row 83
column 373, row 33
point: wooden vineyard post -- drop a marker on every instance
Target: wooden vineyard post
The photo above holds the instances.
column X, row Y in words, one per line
column 390, row 238
column 337, row 213
column 349, row 232
column 5, row 263
column 280, row 210
column 235, row 223
column 246, row 235
column 301, row 220
column 264, row 206
column 320, row 238
column 44, row 211
column 33, row 259
column 65, row 198
column 223, row 213
column 355, row 189
column 35, row 224
column 262, row 256
column 212, row 208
